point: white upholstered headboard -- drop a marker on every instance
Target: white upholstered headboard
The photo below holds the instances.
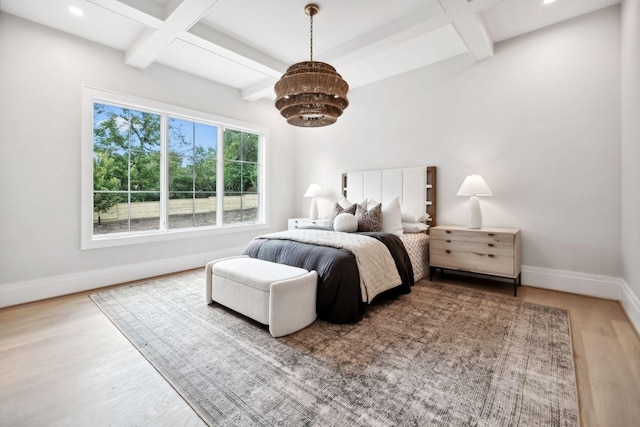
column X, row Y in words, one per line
column 415, row 186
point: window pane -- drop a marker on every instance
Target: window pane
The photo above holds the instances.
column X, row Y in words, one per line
column 192, row 174
column 240, row 208
column 250, row 148
column 142, row 214
column 185, row 211
column 232, row 207
column 144, row 211
column 249, row 177
column 111, row 212
column 232, row 145
column 241, row 177
column 250, row 207
column 126, row 160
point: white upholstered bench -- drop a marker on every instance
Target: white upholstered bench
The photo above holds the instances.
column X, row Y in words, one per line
column 277, row 295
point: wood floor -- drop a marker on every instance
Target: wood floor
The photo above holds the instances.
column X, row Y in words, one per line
column 62, row 363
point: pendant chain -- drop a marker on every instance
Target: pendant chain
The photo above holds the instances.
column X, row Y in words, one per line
column 311, row 35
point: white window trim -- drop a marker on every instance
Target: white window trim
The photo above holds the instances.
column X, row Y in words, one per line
column 89, row 241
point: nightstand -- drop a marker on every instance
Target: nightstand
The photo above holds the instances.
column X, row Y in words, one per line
column 294, row 223
column 490, row 251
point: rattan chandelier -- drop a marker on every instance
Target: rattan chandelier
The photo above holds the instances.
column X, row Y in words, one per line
column 311, row 93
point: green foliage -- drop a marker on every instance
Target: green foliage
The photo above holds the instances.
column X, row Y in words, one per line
column 126, row 147
column 240, row 161
column 104, row 179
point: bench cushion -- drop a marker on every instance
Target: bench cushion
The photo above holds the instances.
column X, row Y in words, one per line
column 256, row 273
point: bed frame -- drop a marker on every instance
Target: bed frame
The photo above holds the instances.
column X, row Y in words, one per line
column 416, row 187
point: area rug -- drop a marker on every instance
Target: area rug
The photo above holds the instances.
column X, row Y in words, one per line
column 439, row 356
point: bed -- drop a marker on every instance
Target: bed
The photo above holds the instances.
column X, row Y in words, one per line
column 354, row 269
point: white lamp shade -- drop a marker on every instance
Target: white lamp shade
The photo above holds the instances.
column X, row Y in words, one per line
column 314, row 190
column 474, row 185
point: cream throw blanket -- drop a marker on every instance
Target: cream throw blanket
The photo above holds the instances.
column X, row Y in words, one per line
column 376, row 266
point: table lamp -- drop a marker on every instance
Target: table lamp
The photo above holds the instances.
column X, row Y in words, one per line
column 474, row 186
column 313, row 191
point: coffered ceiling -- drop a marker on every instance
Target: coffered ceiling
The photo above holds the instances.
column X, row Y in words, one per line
column 248, row 44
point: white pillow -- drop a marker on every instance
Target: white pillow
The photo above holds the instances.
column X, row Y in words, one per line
column 414, row 216
column 344, row 203
column 346, row 223
column 392, row 217
column 414, row 227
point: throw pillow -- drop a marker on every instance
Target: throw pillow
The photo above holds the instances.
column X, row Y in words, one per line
column 337, row 210
column 392, row 217
column 346, row 223
column 414, row 216
column 369, row 219
column 414, row 227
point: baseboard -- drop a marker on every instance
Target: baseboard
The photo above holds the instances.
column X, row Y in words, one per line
column 631, row 305
column 33, row 290
column 39, row 289
column 607, row 287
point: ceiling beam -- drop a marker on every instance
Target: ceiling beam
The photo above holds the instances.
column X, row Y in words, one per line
column 469, row 25
column 414, row 24
column 479, row 6
column 221, row 44
column 145, row 18
column 263, row 89
column 475, row 35
column 152, row 42
column 240, row 53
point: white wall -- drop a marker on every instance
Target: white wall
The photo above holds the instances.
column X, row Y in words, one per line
column 631, row 152
column 540, row 121
column 41, row 73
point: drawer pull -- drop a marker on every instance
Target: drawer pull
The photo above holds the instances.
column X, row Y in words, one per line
column 491, row 234
column 448, row 241
column 448, row 251
column 490, row 255
column 313, row 222
column 490, row 245
column 448, row 231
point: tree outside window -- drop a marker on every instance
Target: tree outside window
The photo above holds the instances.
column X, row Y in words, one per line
column 130, row 194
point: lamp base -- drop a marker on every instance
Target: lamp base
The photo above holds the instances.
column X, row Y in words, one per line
column 313, row 211
column 474, row 215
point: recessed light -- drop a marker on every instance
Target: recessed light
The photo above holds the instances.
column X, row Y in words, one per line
column 74, row 10
column 549, row 1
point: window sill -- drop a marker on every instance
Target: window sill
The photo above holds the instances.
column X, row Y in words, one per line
column 106, row 241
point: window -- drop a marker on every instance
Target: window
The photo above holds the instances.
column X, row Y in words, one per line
column 155, row 172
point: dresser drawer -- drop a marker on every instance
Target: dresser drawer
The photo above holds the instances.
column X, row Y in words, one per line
column 480, row 248
column 478, row 236
column 476, row 262
column 488, row 250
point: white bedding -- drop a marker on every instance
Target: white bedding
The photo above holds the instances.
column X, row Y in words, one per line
column 417, row 245
column 376, row 266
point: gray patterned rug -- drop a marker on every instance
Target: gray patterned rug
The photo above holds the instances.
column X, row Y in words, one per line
column 441, row 356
